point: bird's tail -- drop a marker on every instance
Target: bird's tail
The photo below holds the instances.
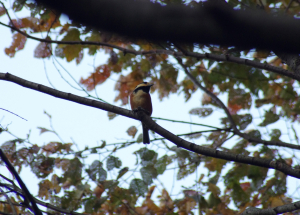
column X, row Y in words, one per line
column 146, row 139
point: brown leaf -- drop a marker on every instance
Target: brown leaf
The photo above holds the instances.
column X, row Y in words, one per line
column 43, row 50
column 55, row 183
column 99, row 189
column 2, row 11
column 131, row 131
column 44, row 189
column 111, row 115
column 62, row 163
column 18, row 44
column 52, row 147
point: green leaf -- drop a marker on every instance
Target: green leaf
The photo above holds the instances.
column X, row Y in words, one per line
column 148, row 173
column 162, row 163
column 70, row 51
column 138, row 186
column 113, row 162
column 270, row 118
column 96, row 171
column 275, row 134
column 147, row 156
column 242, row 121
column 122, row 172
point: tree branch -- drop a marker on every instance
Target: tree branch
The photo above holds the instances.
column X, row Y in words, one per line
column 273, row 211
column 231, row 121
column 215, row 57
column 47, row 205
column 27, row 194
column 223, row 25
column 267, row 163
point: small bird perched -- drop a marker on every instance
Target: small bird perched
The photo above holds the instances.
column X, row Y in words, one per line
column 140, row 97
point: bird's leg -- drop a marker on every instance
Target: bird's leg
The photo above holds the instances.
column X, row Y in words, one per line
column 141, row 109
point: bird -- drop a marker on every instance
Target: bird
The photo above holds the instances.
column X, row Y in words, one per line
column 140, row 98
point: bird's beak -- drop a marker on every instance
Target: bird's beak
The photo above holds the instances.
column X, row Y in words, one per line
column 150, row 85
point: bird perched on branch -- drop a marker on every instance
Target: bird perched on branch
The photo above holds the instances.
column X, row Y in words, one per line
column 140, row 98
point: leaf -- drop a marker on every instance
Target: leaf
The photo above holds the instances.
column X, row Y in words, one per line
column 113, row 162
column 138, row 186
column 95, row 37
column 218, row 138
column 98, row 77
column 147, row 156
column 275, row 134
column 201, row 112
column 148, row 173
column 96, row 171
column 99, row 189
column 254, row 133
column 80, row 57
column 131, row 131
column 214, row 164
column 122, row 172
column 113, row 58
column 43, row 50
column 238, row 99
column 242, row 121
column 71, row 51
column 162, row 163
column 9, row 148
column 2, row 11
column 111, row 115
column 52, row 147
column 18, row 44
column 270, row 118
column 18, row 5
column 166, row 203
column 139, row 138
column 43, row 130
column 74, row 171
column 42, row 166
column 44, row 189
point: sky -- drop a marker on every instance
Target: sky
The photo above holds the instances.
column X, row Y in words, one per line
column 83, row 125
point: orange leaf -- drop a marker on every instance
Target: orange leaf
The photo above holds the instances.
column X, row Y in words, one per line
column 98, row 77
column 18, row 44
column 99, row 190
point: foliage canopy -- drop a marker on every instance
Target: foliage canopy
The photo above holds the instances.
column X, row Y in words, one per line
column 239, row 82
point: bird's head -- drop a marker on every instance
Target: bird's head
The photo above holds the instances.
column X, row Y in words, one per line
column 145, row 86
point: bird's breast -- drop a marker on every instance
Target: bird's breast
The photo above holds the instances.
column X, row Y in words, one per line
column 141, row 99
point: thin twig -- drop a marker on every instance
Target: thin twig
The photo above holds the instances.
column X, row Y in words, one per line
column 9, row 202
column 13, row 113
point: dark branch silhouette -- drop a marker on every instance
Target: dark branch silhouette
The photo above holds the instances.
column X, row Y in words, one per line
column 28, row 197
column 213, row 23
column 216, row 57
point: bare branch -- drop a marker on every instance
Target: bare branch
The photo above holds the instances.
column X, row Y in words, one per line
column 231, row 121
column 267, row 163
column 215, row 57
column 47, row 205
column 273, row 211
column 9, row 201
column 27, row 194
